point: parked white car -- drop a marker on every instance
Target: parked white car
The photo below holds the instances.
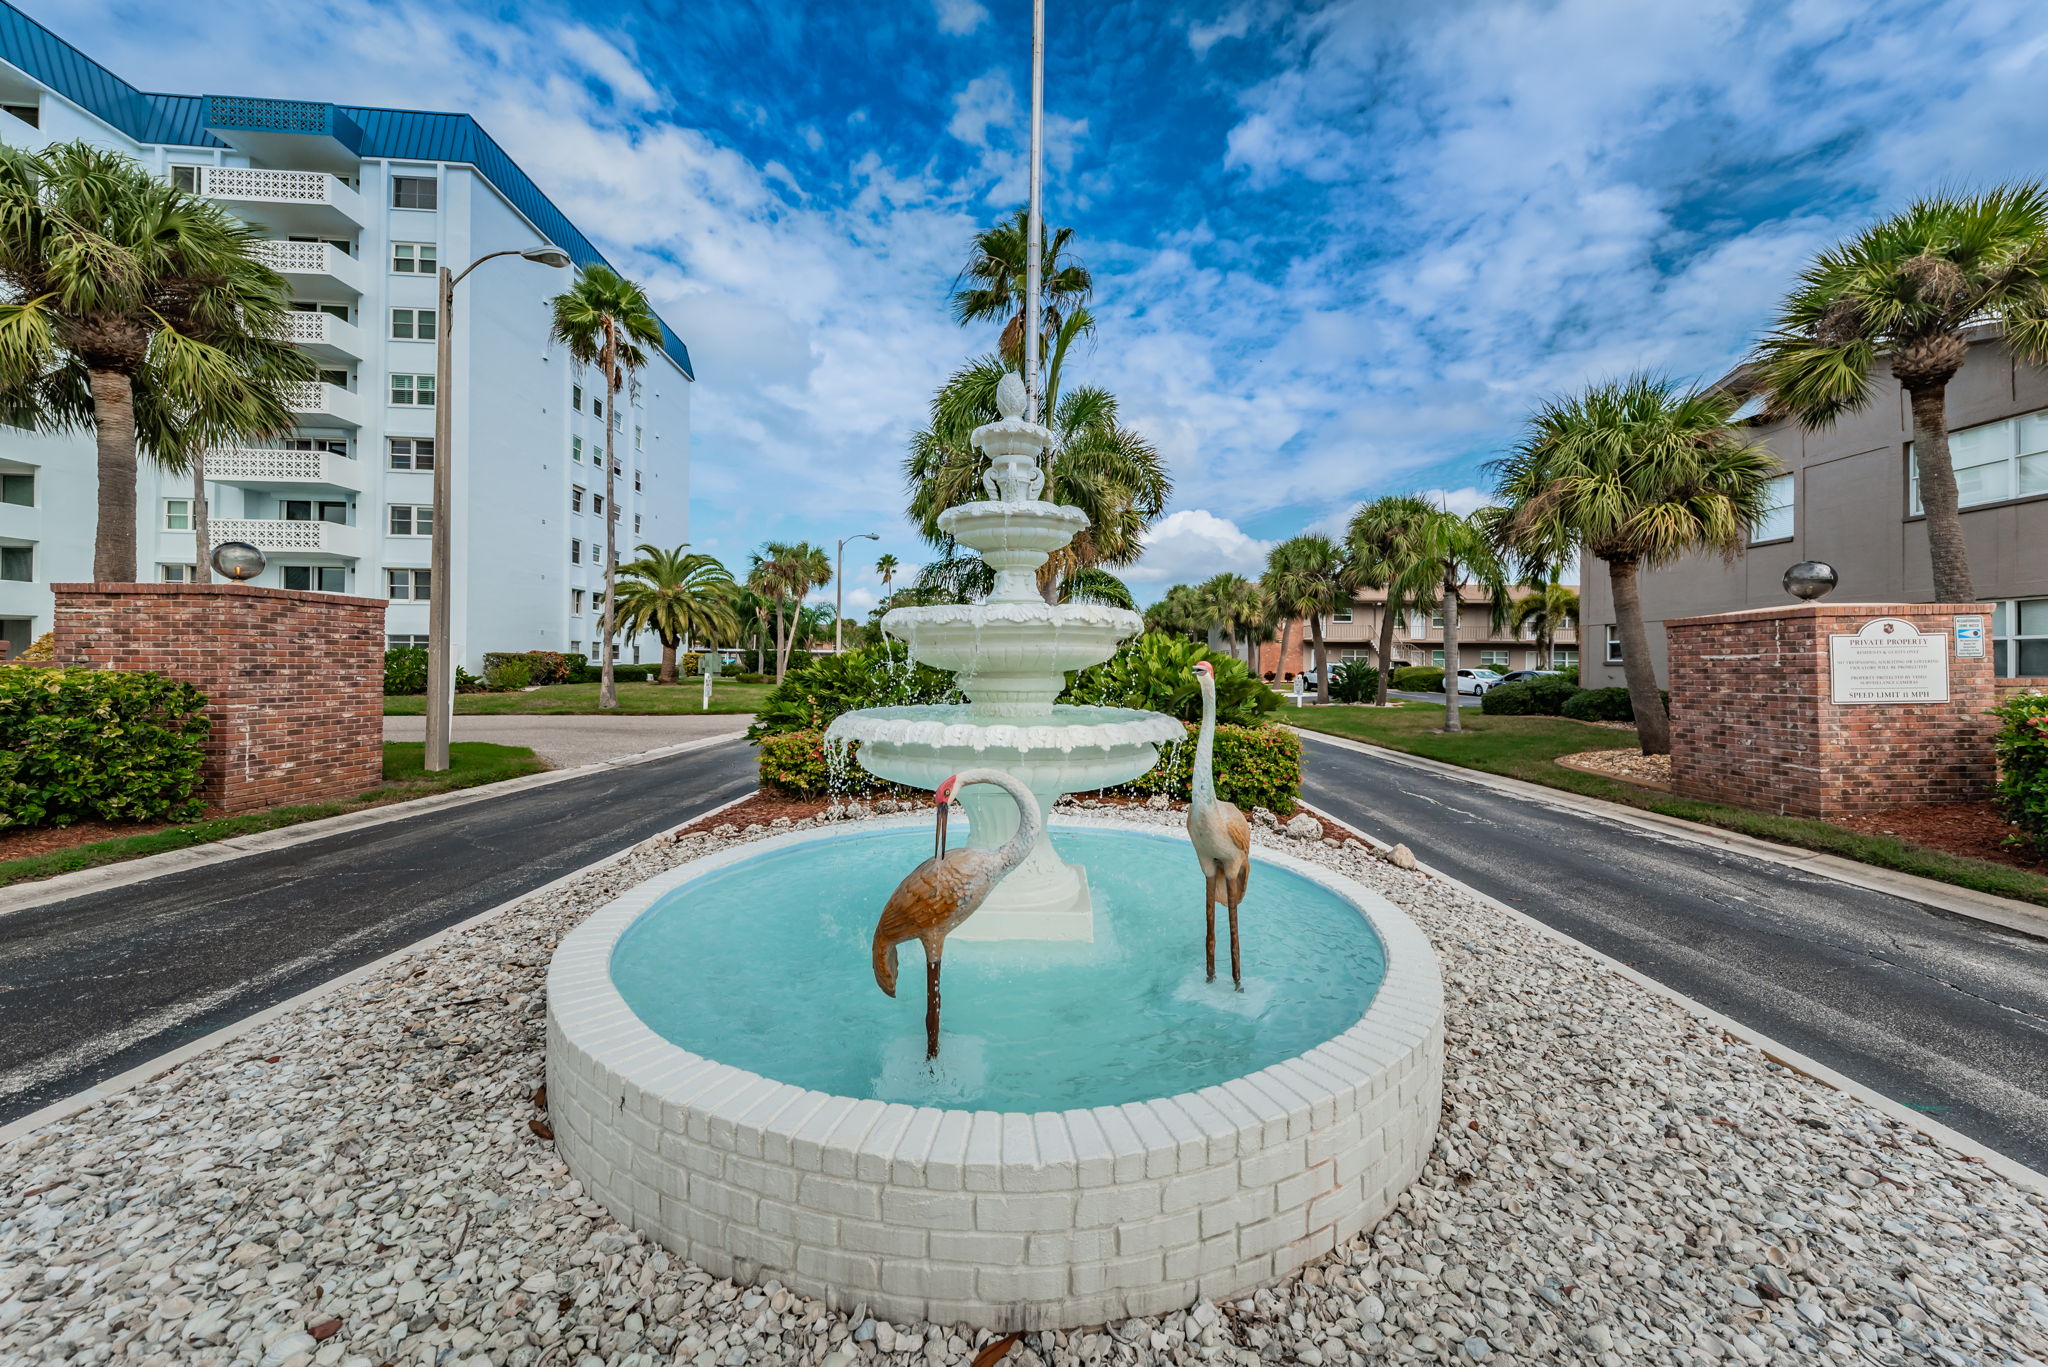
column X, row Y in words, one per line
column 1477, row 681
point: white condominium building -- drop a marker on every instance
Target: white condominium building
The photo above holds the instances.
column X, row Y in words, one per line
column 359, row 207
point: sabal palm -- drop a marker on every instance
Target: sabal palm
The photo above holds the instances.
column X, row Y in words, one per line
column 991, row 285
column 1636, row 473
column 137, row 311
column 1553, row 607
column 1309, row 577
column 1231, row 606
column 676, row 594
column 1382, row 543
column 1097, row 464
column 1178, row 612
column 604, row 320
column 886, row 568
column 1451, row 551
column 785, row 573
column 1904, row 290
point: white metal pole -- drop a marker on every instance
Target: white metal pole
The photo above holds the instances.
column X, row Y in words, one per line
column 1034, row 243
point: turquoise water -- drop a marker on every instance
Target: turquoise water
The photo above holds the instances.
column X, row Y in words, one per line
column 764, row 965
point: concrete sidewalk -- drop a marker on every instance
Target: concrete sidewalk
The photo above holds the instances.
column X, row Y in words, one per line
column 572, row 742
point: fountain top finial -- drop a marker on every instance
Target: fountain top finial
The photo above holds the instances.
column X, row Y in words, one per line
column 1011, row 398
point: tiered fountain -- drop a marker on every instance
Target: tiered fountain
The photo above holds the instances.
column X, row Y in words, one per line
column 1011, row 654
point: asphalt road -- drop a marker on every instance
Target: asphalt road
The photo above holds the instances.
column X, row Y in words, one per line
column 97, row 984
column 1944, row 1014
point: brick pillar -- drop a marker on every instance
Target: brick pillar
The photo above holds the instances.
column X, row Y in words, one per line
column 294, row 681
column 1755, row 721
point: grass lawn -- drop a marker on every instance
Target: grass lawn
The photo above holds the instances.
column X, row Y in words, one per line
column 1525, row 748
column 472, row 763
column 578, row 699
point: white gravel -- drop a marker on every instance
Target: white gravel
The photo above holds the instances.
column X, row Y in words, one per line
column 358, row 1183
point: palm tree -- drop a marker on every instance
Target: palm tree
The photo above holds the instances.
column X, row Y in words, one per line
column 785, row 573
column 1906, row 289
column 1232, row 607
column 1179, row 612
column 605, row 321
column 1635, row 472
column 1096, row 463
column 996, row 270
column 1310, row 578
column 677, row 595
column 886, row 567
column 136, row 311
column 1450, row 552
column 1381, row 543
column 1553, row 607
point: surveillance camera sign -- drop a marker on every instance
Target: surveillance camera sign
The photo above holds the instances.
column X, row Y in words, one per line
column 1888, row 660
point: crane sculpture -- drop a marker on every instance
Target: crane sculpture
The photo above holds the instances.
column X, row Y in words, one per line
column 1221, row 836
column 948, row 888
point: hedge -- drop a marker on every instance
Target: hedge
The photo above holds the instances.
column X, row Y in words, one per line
column 542, row 666
column 1543, row 696
column 1256, row 766
column 2023, row 765
column 99, row 744
column 1418, row 679
column 405, row 670
column 1604, row 704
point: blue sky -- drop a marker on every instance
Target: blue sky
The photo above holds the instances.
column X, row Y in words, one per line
column 1339, row 249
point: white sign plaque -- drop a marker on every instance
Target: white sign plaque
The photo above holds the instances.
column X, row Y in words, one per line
column 1888, row 660
column 1969, row 638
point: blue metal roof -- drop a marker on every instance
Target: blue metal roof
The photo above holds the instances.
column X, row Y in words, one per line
column 183, row 121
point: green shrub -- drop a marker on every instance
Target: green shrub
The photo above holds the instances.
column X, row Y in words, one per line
column 466, row 682
column 750, row 678
column 542, row 666
column 633, row 673
column 1256, row 766
column 871, row 676
column 1570, row 674
column 2023, row 765
column 505, row 673
column 794, row 764
column 1419, row 679
column 405, row 670
column 102, row 744
column 1604, row 704
column 1543, row 696
column 1156, row 673
column 689, row 666
column 1355, row 681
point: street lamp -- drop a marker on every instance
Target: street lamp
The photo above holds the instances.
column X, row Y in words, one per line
column 839, row 591
column 440, row 599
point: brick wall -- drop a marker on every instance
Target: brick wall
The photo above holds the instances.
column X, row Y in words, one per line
column 294, row 681
column 1753, row 723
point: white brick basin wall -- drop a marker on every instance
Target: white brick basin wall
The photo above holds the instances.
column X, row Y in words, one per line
column 1002, row 1219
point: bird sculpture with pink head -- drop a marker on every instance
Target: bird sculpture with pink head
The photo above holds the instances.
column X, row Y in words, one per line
column 1221, row 836
column 947, row 888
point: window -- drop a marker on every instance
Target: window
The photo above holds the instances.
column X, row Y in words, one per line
column 575, row 552
column 597, row 504
column 19, row 489
column 1342, row 614
column 412, row 519
column 1436, row 619
column 1995, row 461
column 637, row 443
column 18, row 563
column 337, row 378
column 575, row 448
column 414, row 258
column 596, row 407
column 416, row 390
column 408, row 585
column 30, row 114
column 332, row 310
column 1777, row 520
column 415, row 192
column 1564, row 657
column 636, row 524
column 575, row 605
column 177, row 514
column 575, row 647
column 316, row 578
column 186, row 178
column 1417, row 627
column 414, row 325
column 405, row 641
column 1613, row 645
column 412, row 453
column 576, row 397
column 575, row 498
column 177, row 574
column 332, row 445
column 1436, row 657
column 1494, row 659
column 636, row 481
column 2019, row 632
column 306, row 510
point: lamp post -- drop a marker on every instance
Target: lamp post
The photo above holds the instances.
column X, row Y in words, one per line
column 440, row 600
column 839, row 590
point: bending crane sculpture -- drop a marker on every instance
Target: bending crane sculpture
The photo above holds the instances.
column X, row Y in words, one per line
column 948, row 888
column 1221, row 835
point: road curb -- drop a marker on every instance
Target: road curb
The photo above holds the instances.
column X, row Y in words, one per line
column 1784, row 1055
column 63, row 886
column 134, row 1077
column 2003, row 912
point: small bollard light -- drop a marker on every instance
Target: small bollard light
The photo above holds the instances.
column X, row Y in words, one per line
column 1811, row 579
column 237, row 560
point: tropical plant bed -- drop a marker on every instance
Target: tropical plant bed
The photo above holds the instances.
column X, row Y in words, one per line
column 44, row 852
column 580, row 699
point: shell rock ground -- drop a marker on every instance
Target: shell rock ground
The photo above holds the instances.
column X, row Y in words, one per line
column 367, row 1181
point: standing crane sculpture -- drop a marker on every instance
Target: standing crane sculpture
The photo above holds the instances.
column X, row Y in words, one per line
column 948, row 888
column 1221, row 836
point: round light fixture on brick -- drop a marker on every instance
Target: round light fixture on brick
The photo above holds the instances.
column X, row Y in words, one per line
column 1811, row 579
column 237, row 560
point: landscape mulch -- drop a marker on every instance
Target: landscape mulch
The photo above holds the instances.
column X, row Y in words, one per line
column 49, row 839
column 1974, row 830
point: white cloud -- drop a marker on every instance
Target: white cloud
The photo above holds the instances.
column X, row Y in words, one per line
column 960, row 17
column 1194, row 544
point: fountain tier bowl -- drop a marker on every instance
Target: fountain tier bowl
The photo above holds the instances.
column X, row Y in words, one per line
column 1106, row 1135
column 1028, row 640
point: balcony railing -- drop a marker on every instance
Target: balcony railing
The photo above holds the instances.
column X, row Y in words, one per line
column 300, row 197
column 256, row 465
column 280, row 534
column 323, row 334
column 311, row 264
column 318, row 401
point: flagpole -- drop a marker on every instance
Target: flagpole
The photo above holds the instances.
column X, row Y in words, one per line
column 1034, row 239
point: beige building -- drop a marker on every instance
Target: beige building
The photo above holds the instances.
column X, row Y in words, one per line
column 1848, row 497
column 1418, row 639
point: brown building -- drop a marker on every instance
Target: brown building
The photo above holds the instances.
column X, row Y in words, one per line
column 1418, row 639
column 1849, row 498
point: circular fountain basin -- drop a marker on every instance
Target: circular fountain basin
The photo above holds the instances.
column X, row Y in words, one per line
column 1105, row 1134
